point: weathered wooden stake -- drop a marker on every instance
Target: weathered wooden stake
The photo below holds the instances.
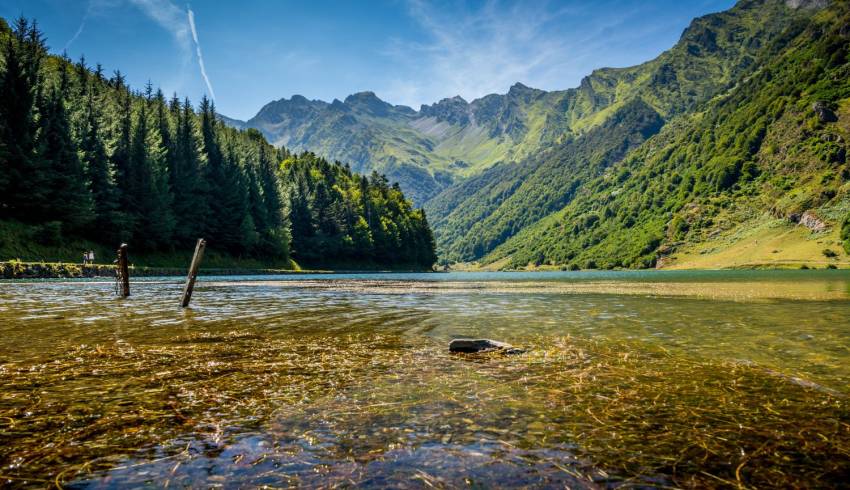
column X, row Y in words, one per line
column 124, row 270
column 193, row 272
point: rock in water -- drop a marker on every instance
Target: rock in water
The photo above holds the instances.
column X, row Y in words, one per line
column 481, row 345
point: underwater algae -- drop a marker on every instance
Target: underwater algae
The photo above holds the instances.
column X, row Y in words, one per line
column 349, row 409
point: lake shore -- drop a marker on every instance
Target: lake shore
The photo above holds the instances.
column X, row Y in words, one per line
column 15, row 269
column 20, row 270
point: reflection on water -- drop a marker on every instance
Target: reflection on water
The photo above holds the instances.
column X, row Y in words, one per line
column 685, row 378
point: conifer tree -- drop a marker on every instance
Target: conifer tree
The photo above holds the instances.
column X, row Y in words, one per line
column 214, row 169
column 186, row 177
column 149, row 199
column 24, row 185
column 100, row 173
column 69, row 198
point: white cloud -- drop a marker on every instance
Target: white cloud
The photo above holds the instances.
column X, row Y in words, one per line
column 472, row 53
column 181, row 25
column 170, row 18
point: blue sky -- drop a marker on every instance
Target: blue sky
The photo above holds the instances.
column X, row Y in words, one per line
column 407, row 51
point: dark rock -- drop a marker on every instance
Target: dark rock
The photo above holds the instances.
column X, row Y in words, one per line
column 823, row 112
column 454, row 111
column 482, row 345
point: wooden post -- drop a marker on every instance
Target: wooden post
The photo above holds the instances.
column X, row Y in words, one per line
column 124, row 270
column 193, row 272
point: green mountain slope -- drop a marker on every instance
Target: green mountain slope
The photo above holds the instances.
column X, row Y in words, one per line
column 765, row 162
column 509, row 197
column 497, row 176
column 713, row 53
column 453, row 156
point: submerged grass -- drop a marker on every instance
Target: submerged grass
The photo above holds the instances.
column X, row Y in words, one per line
column 76, row 413
column 378, row 409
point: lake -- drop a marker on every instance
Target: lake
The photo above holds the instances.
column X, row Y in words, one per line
column 656, row 378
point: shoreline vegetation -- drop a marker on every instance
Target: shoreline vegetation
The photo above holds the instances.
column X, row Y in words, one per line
column 783, row 265
column 21, row 270
column 16, row 269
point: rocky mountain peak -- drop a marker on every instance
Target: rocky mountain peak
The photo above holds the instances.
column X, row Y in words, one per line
column 365, row 96
column 339, row 105
column 519, row 88
column 368, row 102
column 524, row 92
column 454, row 110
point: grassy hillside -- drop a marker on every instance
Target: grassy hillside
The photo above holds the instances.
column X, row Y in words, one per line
column 763, row 163
column 429, row 149
column 507, row 198
column 474, row 216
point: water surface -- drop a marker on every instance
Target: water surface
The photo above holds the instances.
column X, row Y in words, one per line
column 652, row 378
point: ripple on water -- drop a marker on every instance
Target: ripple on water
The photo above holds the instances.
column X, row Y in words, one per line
column 347, row 381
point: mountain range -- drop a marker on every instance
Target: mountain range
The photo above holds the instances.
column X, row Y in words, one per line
column 730, row 137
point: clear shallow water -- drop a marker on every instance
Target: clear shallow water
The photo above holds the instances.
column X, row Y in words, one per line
column 316, row 380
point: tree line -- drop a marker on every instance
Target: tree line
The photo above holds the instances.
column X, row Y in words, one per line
column 337, row 213
column 85, row 155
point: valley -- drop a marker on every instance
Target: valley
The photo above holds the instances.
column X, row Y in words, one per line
column 560, row 178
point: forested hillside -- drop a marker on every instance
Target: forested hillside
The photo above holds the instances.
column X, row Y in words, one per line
column 484, row 211
column 713, row 53
column 761, row 161
column 84, row 156
column 500, row 166
column 337, row 213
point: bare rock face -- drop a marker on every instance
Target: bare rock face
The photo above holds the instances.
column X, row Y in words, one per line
column 811, row 221
column 481, row 345
column 807, row 4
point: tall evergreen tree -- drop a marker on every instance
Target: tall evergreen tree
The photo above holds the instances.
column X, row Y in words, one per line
column 232, row 205
column 69, row 198
column 149, row 200
column 100, row 173
column 186, row 177
column 214, row 170
column 121, row 134
column 24, row 185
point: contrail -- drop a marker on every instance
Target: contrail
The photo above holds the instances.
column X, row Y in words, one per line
column 79, row 30
column 198, row 49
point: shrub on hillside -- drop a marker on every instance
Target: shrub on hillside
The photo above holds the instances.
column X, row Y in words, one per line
column 845, row 234
column 49, row 233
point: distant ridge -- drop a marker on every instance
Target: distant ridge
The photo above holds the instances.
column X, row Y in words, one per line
column 491, row 170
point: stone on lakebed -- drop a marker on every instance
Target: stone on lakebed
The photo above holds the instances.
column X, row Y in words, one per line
column 482, row 345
